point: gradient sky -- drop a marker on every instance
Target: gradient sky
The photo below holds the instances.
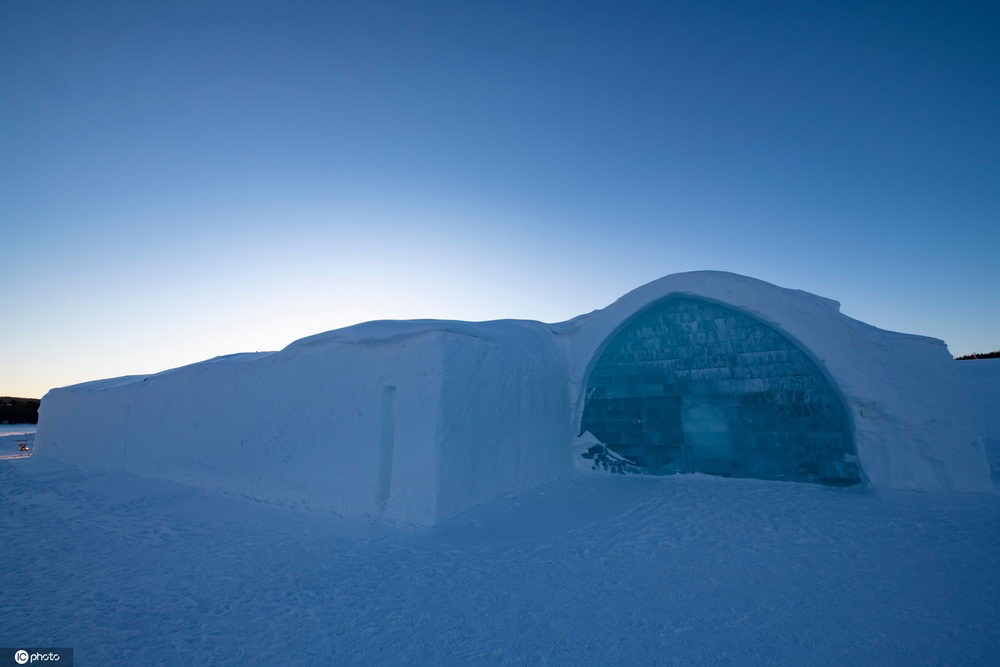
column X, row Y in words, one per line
column 185, row 179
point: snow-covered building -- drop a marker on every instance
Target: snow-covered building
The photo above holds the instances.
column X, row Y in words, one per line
column 417, row 421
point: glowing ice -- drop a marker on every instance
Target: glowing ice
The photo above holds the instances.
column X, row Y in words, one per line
column 690, row 385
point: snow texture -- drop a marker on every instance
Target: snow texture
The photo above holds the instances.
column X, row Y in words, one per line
column 418, row 421
column 982, row 381
column 594, row 569
column 476, row 411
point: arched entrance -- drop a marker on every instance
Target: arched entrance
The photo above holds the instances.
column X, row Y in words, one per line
column 690, row 385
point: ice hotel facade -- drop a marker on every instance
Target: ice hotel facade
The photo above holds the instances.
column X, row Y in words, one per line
column 417, row 421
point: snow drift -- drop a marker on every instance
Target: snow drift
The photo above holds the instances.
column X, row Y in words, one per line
column 417, row 421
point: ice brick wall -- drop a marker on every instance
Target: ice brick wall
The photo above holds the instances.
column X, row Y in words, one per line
column 691, row 385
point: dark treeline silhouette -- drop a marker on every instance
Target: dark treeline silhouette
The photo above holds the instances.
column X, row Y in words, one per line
column 18, row 410
column 995, row 354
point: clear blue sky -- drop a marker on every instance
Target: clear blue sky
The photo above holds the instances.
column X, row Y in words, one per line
column 185, row 179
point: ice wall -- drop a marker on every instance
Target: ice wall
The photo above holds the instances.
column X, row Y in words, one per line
column 912, row 426
column 689, row 385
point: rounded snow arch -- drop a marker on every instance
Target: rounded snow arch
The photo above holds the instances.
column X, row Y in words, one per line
column 688, row 383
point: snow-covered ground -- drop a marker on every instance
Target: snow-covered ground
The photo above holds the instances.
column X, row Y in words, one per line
column 593, row 569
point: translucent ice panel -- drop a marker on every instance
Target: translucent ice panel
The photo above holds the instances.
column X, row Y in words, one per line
column 689, row 385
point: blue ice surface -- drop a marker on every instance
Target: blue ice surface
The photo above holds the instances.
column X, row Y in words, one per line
column 689, row 385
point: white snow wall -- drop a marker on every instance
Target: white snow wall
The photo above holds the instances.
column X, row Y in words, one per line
column 408, row 421
column 506, row 421
column 301, row 427
column 982, row 383
column 913, row 427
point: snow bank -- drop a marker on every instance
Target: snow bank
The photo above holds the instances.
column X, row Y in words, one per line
column 418, row 421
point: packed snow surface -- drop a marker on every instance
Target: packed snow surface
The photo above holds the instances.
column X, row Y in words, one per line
column 591, row 569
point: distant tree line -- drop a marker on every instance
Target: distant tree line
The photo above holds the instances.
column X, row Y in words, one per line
column 995, row 354
column 18, row 410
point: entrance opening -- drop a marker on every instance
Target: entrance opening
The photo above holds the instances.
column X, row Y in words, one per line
column 689, row 385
